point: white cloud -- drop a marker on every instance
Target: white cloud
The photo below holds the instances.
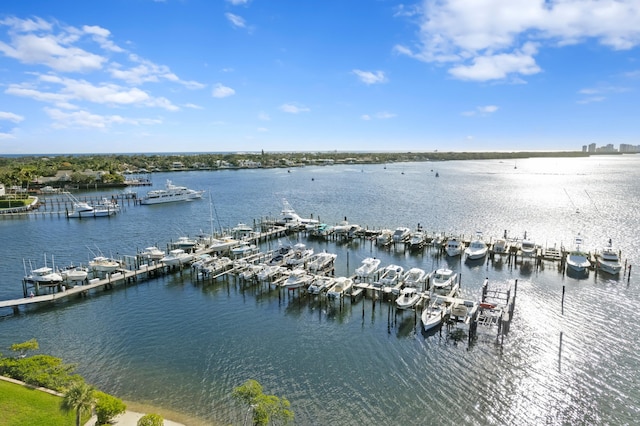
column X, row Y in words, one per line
column 236, row 21
column 370, row 77
column 85, row 119
column 378, row 116
column 293, row 109
column 221, row 91
column 263, row 116
column 366, row 117
column 7, row 136
column 238, row 2
column 481, row 110
column 262, row 129
column 9, row 116
column 491, row 39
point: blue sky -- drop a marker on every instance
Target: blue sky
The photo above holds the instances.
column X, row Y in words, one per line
column 106, row 76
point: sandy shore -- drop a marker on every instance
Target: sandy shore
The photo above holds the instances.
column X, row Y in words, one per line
column 129, row 418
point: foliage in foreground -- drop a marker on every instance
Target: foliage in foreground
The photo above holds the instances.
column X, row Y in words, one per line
column 151, row 420
column 107, row 407
column 266, row 409
column 80, row 398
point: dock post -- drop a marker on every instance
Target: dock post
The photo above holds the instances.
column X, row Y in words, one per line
column 562, row 302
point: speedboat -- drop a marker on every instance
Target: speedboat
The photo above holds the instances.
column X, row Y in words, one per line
column 409, row 297
column 339, row 287
column 291, row 219
column 477, row 249
column 464, row 310
column 578, row 259
column 300, row 255
column 251, row 272
column 320, row 261
column 74, row 273
column 43, row 276
column 269, row 272
column 454, row 247
column 298, row 278
column 417, row 240
column 436, row 312
column 244, row 249
column 153, row 253
column 83, row 209
column 177, row 257
column 528, row 248
column 501, row 246
column 443, row 278
column 369, row 267
column 608, row 260
column 103, row 264
column 384, row 237
column 185, row 243
column 391, row 276
column 414, row 277
column 170, row 193
column 321, row 283
column 401, row 234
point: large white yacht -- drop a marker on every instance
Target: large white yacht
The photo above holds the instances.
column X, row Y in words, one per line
column 171, row 193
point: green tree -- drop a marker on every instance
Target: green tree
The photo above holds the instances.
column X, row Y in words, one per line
column 151, row 420
column 108, row 407
column 79, row 398
column 29, row 345
column 265, row 409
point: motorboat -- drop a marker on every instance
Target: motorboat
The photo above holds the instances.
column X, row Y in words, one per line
column 501, row 246
column 297, row 278
column 401, row 234
column 368, row 267
column 408, row 298
column 153, row 253
column 417, row 240
column 608, row 259
column 74, row 273
column 103, row 264
column 216, row 266
column 170, row 193
column 177, row 257
column 339, row 287
column 454, row 247
column 269, row 272
column 251, row 272
column 414, row 277
column 436, row 312
column 320, row 284
column 221, row 244
column 202, row 260
column 443, row 278
column 321, row 261
column 391, row 276
column 477, row 249
column 82, row 209
column 300, row 255
column 184, row 243
column 462, row 310
column 44, row 275
column 384, row 237
column 577, row 258
column 244, row 249
column 528, row 248
column 346, row 230
column 290, row 218
column 242, row 231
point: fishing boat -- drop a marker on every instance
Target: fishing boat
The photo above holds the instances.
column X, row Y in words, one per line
column 384, row 237
column 103, row 264
column 608, row 259
column 454, row 247
column 443, row 278
column 339, row 287
column 321, row 261
column 74, row 273
column 80, row 209
column 401, row 234
column 577, row 258
column 177, row 257
column 300, row 255
column 391, row 276
column 409, row 297
column 417, row 240
column 44, row 275
column 368, row 267
column 297, row 278
column 152, row 253
column 171, row 193
column 320, row 284
column 436, row 312
column 414, row 277
column 477, row 248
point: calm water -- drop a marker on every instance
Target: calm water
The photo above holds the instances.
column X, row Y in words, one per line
column 184, row 345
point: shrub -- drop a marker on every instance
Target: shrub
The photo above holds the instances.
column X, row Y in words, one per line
column 151, row 420
column 108, row 407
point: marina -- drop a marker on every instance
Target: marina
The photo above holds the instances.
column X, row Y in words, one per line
column 180, row 330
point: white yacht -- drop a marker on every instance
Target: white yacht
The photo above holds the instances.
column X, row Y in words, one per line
column 608, row 259
column 291, row 219
column 171, row 193
column 443, row 278
column 300, row 255
column 477, row 249
column 369, row 267
column 414, row 277
column 454, row 247
column 340, row 286
column 153, row 253
column 391, row 276
column 320, row 261
column 298, row 278
column 384, row 237
column 82, row 209
column 417, row 240
column 177, row 257
column 578, row 259
column 321, row 284
column 401, row 234
column 409, row 297
column 103, row 264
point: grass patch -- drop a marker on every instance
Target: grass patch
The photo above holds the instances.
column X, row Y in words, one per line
column 24, row 406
